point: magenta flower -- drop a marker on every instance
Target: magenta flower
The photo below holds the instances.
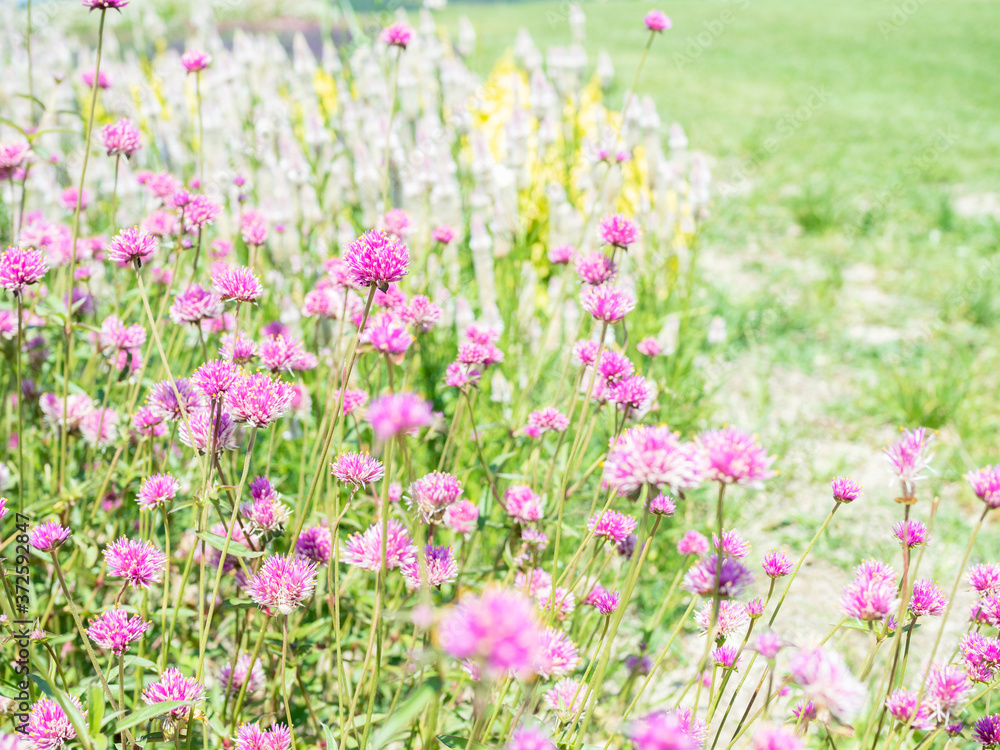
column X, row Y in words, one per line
column 614, row 366
column 265, row 512
column 735, row 457
column 618, row 230
column 132, row 245
column 461, row 517
column 232, row 677
column 123, row 342
column 604, row 601
column 364, row 550
column 105, row 4
column 215, row 378
column 777, row 564
column 565, row 699
column 557, row 654
column 732, row 544
column 12, row 157
column 207, row 433
column 547, row 419
column 49, row 728
column 732, row 618
column 984, row 579
column 649, row 346
column 945, row 691
column 100, row 427
column 138, row 562
column 200, row 212
column 607, row 303
column 440, row 568
column 358, row 469
column 654, row 456
column 284, row 353
column 444, row 234
column 240, row 351
column 724, row 656
column 397, row 35
column 928, row 599
column 662, row 505
column 845, row 490
column 522, row 504
column 237, row 283
column 910, row 457
column 20, row 268
column 162, row 399
column 194, row 305
column 871, row 596
column 661, row 731
column 612, row 526
column 497, row 630
column 253, row 228
column 195, row 61
column 657, row 20
column 316, row 544
column 283, row 583
column 377, row 259
column 398, row 413
column 693, row 543
column 173, row 686
column 115, row 631
column 987, row 731
column 985, row 482
column 388, row 334
column 258, row 400
column 157, row 490
column 828, row 683
column 121, row 138
column 530, row 738
column 252, row 737
column 910, row 533
column 595, row 268
column 733, row 578
column 48, row 536
column 78, row 406
column 434, row 492
column 771, row 736
column 354, row 399
column 768, row 644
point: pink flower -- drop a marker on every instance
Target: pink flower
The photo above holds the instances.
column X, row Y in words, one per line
column 316, row 544
column 195, row 60
column 398, row 413
column 777, row 564
column 387, row 334
column 724, row 656
column 602, row 600
column 364, row 550
column 561, row 254
column 156, row 490
column 20, row 268
column 732, row 618
column 461, row 517
column 115, row 631
column 522, row 504
column 12, row 157
column 612, row 526
column 732, row 544
column 653, row 456
column 530, row 738
column 607, row 303
column 105, row 4
column 78, row 406
column 661, row 731
column 910, row 533
column 215, row 378
column 614, row 366
column 138, row 562
column 595, row 268
column 354, row 399
column 121, row 138
column 377, row 259
column 70, row 198
column 159, row 224
column 100, row 428
column 871, row 595
column 283, row 583
column 649, row 346
column 984, row 579
column 770, row 736
column 498, row 630
column 252, row 737
column 548, row 418
column 565, row 699
column 985, row 482
column 828, row 683
column 48, row 536
column 284, row 353
column 173, row 686
column 125, row 342
column 232, row 677
column 440, row 567
column 444, row 234
column 49, row 728
column 928, row 599
column 845, row 490
column 194, row 305
column 662, row 505
column 735, row 457
column 733, row 578
column 265, row 512
column 397, row 35
column 692, row 543
column 909, row 457
column 768, row 644
column 258, row 400
column 397, row 221
column 618, row 230
column 132, row 245
column 434, row 492
column 201, row 212
column 945, row 691
column 557, row 654
column 253, row 228
column 357, row 469
column 657, row 20
column 239, row 351
column 237, row 283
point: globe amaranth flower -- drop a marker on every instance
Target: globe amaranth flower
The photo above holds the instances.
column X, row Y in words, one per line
column 523, row 504
column 49, row 728
column 201, row 212
column 215, row 377
column 398, row 413
column 78, row 406
column 561, row 254
column 48, row 536
column 732, row 544
column 649, row 346
column 662, row 505
column 927, row 599
column 194, row 305
column 105, row 4
column 232, row 676
column 774, row 737
column 121, row 138
column 595, row 268
column 258, row 400
column 845, row 489
column 137, row 561
column 828, row 683
column 283, row 353
column 172, row 400
column 872, row 595
column 174, row 686
column 661, row 731
column 439, row 568
column 205, row 431
column 156, row 490
column 776, row 564
column 607, row 303
column 984, row 579
column 985, row 482
column 195, row 61
column 910, row 457
column 732, row 618
column 364, row 549
column 434, row 492
column 733, row 578
column 735, row 457
column 100, row 428
column 657, row 20
column 357, row 469
column 548, row 419
column 252, row 737
column 618, row 230
column 530, row 738
column 724, row 656
column 132, row 245
column 557, row 654
column 987, row 731
column 614, row 366
column 602, row 600
column 283, row 583
column 768, row 644
column 377, row 259
column 654, row 456
column 910, row 533
column 612, row 526
column 315, row 543
column 12, row 157
column 397, row 35
column 444, row 234
column 497, row 629
column 693, row 543
column 461, row 517
column 253, row 227
column 237, row 283
column 123, row 343
column 265, row 512
column 387, row 334
column 20, row 268
column 565, row 699
column 945, row 691
column 115, row 631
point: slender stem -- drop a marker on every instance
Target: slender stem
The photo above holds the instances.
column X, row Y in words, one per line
column 253, row 660
column 284, row 682
column 21, row 476
column 388, row 132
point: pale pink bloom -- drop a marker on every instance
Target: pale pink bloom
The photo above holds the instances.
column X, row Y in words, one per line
column 173, row 686
column 618, row 230
column 200, row 212
column 252, row 737
column 693, row 543
column 388, row 334
column 284, row 353
column 237, row 283
column 99, row 429
column 902, row 706
column 910, row 533
column 162, row 399
column 565, row 699
column 522, row 504
column 461, row 517
column 195, row 60
column 561, row 254
column 657, row 20
column 354, row 399
column 421, row 313
column 945, row 691
column 768, row 644
column 364, row 549
column 232, row 677
column 238, row 351
column 194, row 305
column 654, row 456
column 607, row 303
column 434, row 492
column 132, row 245
column 910, row 457
column 357, row 469
column 614, row 366
column 78, row 406
column 258, row 400
column 557, row 654
column 215, row 377
column 771, row 736
column 595, row 268
column 985, row 482
column 265, row 512
column 397, row 222
column 984, row 579
column 115, row 631
column 137, row 561
column 204, row 433
column 398, row 413
column 397, row 35
column 444, row 234
column 253, row 227
column 661, row 731
column 283, row 583
column 156, row 490
column 724, row 656
column 735, row 457
column 440, row 567
column 121, row 138
column 71, row 197
column 662, row 505
column 733, row 544
column 530, row 738
column 828, row 683
column 160, row 224
column 649, row 346
column 732, row 618
column 124, row 342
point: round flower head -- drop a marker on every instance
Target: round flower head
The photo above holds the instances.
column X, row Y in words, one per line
column 200, row 213
column 194, row 305
column 48, row 536
column 612, row 526
column 265, row 512
column 49, row 728
column 283, row 583
column 928, row 599
column 105, row 4
column 132, row 245
column 693, row 543
column 232, row 677
column 377, row 258
column 945, row 691
column 985, row 482
column 776, row 564
column 461, row 517
column 732, row 579
column 398, row 413
column 530, row 738
column 237, row 283
column 258, row 400
column 547, row 419
column 984, row 579
column 215, row 378
column 358, row 469
column 173, row 686
column 595, row 268
column 364, row 549
column 871, row 596
column 828, row 683
column 614, row 366
column 987, row 731
column 397, row 35
column 607, row 303
column 724, row 656
column 121, row 138
column 205, row 433
column 252, row 737
column 115, row 631
column 910, row 533
column 773, row 737
column 565, row 699
column 733, row 544
column 661, row 731
column 768, row 644
column 909, row 457
column 618, row 230
column 662, row 505
column 557, row 654
column 732, row 618
column 654, row 456
column 657, row 20
column 603, row 601
column 522, row 504
column 163, row 401
column 284, row 353
column 195, row 60
column 20, row 268
column 316, row 544
column 498, row 630
column 138, row 562
column 649, row 346
column 12, row 156
column 434, row 492
column 735, row 457
column 561, row 254
column 444, row 234
column 156, row 490
column 845, row 490
column 388, row 334
column 440, row 567
column 238, row 351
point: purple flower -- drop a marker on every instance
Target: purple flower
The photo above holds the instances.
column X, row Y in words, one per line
column 20, row 268
column 364, row 549
column 357, row 469
column 618, row 230
column 398, row 413
column 607, row 303
column 194, row 305
column 173, row 686
column 116, row 631
column 657, row 20
column 733, row 544
column 258, row 400
column 105, row 4
column 156, row 490
column 237, row 283
column 733, row 578
column 987, row 731
column 377, row 258
column 132, row 245
column 316, row 544
column 232, row 677
column 440, row 567
column 121, row 138
column 48, row 536
column 137, row 561
column 397, row 35
column 283, row 583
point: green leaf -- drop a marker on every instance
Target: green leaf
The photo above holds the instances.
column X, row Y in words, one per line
column 404, row 715
column 331, row 741
column 69, row 708
column 148, row 712
column 95, row 708
column 460, row 743
column 137, row 661
column 235, row 548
